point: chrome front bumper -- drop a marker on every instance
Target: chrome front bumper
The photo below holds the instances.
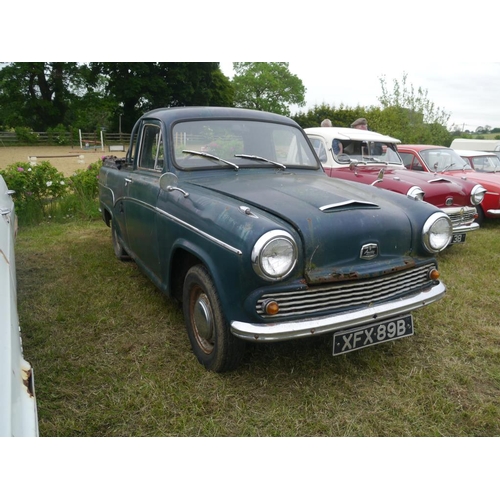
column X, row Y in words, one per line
column 466, row 228
column 336, row 322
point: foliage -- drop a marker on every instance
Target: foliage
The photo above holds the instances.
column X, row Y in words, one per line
column 34, row 184
column 85, row 182
column 58, row 135
column 340, row 117
column 140, row 87
column 42, row 192
column 267, row 87
column 38, row 94
column 408, row 114
column 81, row 199
column 26, row 136
column 45, row 95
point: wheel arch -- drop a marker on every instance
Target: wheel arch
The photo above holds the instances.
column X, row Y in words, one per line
column 186, row 255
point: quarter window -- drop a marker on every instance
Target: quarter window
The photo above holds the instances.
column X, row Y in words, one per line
column 152, row 150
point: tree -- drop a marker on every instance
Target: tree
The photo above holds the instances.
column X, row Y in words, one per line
column 267, row 87
column 409, row 115
column 340, row 117
column 140, row 87
column 38, row 94
column 45, row 95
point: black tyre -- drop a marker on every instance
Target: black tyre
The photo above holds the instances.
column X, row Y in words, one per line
column 117, row 245
column 480, row 215
column 216, row 348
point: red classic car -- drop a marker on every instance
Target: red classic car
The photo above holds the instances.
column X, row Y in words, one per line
column 481, row 161
column 372, row 158
column 446, row 161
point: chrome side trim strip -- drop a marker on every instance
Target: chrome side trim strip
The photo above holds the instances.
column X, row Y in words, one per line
column 198, row 231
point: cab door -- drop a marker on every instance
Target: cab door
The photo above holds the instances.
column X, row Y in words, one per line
column 142, row 190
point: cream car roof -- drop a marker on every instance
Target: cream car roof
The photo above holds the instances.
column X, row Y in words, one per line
column 352, row 134
column 466, row 152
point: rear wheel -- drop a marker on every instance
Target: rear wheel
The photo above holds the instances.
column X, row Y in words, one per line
column 216, row 348
column 117, row 245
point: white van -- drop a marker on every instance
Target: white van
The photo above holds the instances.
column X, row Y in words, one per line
column 487, row 145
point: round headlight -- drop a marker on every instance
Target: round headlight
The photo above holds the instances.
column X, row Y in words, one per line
column 437, row 232
column 415, row 193
column 274, row 255
column 477, row 194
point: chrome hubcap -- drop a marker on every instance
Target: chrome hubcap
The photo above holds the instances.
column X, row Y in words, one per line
column 203, row 321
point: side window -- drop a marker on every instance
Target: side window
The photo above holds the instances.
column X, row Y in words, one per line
column 287, row 148
column 319, row 147
column 411, row 162
column 407, row 159
column 151, row 154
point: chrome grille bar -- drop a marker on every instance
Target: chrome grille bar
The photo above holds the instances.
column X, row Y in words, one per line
column 466, row 217
column 351, row 294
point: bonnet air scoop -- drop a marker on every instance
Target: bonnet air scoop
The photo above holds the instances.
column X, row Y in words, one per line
column 438, row 179
column 347, row 205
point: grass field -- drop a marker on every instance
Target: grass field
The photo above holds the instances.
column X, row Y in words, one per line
column 112, row 358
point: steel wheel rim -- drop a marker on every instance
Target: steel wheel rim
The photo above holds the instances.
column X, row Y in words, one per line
column 202, row 321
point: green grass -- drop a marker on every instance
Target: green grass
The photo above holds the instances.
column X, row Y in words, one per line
column 112, row 358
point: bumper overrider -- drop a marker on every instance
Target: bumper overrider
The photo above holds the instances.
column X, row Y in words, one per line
column 288, row 330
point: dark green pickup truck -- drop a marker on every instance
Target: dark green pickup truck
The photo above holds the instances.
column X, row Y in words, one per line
column 229, row 211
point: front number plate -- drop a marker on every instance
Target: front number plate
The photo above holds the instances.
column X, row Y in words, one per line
column 377, row 333
column 458, row 238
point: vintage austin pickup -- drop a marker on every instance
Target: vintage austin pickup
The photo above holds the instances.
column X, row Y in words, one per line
column 230, row 211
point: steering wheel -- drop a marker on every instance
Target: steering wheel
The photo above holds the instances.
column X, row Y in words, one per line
column 343, row 158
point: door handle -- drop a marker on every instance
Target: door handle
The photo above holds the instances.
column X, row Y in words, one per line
column 128, row 181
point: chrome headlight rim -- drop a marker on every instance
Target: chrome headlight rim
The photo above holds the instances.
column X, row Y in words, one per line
column 433, row 223
column 416, row 193
column 477, row 194
column 263, row 244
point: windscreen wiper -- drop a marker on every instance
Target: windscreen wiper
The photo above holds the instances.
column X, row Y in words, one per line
column 212, row 157
column 260, row 158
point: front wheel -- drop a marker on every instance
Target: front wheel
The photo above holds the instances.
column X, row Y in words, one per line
column 216, row 348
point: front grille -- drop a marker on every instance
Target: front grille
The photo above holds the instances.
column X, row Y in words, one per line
column 465, row 215
column 347, row 295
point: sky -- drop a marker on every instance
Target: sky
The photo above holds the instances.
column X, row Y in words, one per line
column 339, row 50
column 469, row 91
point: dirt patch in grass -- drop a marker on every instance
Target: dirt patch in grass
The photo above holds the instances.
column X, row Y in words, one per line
column 66, row 159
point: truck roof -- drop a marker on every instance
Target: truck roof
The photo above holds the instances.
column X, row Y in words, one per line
column 476, row 144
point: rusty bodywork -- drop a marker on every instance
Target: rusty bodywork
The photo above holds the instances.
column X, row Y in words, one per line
column 230, row 211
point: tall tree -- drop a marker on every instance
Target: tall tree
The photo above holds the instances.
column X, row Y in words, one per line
column 43, row 95
column 408, row 114
column 267, row 87
column 140, row 87
column 38, row 94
